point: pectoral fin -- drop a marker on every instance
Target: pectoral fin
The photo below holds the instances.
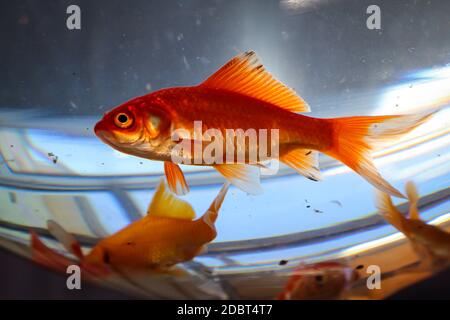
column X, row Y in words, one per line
column 65, row 238
column 175, row 178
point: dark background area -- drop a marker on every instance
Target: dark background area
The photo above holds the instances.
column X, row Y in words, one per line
column 126, row 48
column 21, row 279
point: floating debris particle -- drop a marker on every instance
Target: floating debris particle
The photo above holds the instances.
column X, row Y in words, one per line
column 12, row 197
column 318, row 211
column 203, row 60
column 148, row 87
column 73, row 105
column 337, row 202
column 282, row 262
column 186, row 63
column 53, row 157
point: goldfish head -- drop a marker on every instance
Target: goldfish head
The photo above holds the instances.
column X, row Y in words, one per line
column 98, row 256
column 137, row 127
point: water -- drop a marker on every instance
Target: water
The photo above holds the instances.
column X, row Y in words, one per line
column 53, row 166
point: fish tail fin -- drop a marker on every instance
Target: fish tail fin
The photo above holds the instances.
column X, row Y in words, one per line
column 210, row 216
column 389, row 212
column 413, row 198
column 355, row 137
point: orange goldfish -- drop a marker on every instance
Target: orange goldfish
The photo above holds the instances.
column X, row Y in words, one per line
column 430, row 243
column 325, row 280
column 167, row 235
column 242, row 95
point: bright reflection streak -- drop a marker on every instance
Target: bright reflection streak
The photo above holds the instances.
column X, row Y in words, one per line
column 420, row 91
column 302, row 6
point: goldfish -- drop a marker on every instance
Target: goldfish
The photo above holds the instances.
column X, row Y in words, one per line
column 325, row 280
column 243, row 95
column 431, row 243
column 166, row 236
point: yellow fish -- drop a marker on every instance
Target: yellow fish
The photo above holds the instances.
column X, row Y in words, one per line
column 167, row 235
column 429, row 242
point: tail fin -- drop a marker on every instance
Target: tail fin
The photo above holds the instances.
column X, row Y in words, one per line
column 210, row 216
column 389, row 211
column 413, row 198
column 355, row 138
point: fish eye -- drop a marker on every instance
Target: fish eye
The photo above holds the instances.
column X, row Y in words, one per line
column 319, row 279
column 123, row 120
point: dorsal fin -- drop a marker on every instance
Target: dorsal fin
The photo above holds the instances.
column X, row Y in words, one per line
column 246, row 75
column 165, row 204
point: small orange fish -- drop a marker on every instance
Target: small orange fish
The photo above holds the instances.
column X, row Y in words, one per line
column 325, row 280
column 167, row 235
column 430, row 243
column 242, row 95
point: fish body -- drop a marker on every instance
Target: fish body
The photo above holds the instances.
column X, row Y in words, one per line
column 223, row 110
column 431, row 243
column 242, row 95
column 325, row 280
column 167, row 235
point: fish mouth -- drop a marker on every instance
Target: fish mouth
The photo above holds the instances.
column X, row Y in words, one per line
column 103, row 134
